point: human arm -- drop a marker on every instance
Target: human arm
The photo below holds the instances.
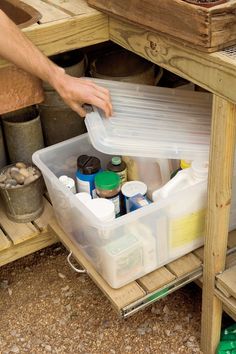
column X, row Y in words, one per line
column 18, row 49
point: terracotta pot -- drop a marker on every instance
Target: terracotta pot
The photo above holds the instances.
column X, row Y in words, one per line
column 206, row 4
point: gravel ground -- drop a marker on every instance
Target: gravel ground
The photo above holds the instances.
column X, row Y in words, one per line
column 47, row 308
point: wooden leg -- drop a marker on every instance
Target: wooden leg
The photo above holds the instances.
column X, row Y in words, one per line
column 219, row 199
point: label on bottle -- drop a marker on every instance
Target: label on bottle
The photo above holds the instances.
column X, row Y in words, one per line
column 116, row 201
column 83, row 186
column 123, row 176
column 187, row 229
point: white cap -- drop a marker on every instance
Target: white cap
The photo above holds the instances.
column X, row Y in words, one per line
column 129, row 189
column 104, row 209
column 83, row 197
column 200, row 169
column 68, row 182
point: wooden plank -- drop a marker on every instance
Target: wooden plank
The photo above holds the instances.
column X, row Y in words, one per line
column 199, row 253
column 229, row 304
column 223, row 26
column 222, row 289
column 156, row 280
column 48, row 214
column 49, row 13
column 17, row 232
column 184, row 265
column 214, row 72
column 230, row 260
column 32, row 245
column 72, row 7
column 228, row 280
column 219, row 198
column 232, row 239
column 118, row 297
column 67, row 34
column 4, row 241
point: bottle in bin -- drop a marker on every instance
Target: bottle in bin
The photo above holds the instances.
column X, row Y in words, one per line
column 118, row 166
column 108, row 186
column 88, row 168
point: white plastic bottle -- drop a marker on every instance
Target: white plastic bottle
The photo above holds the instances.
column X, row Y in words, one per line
column 196, row 173
column 186, row 201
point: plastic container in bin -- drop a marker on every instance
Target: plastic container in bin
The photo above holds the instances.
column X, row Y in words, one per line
column 130, row 246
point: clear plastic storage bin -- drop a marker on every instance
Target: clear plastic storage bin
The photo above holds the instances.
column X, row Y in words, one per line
column 131, row 245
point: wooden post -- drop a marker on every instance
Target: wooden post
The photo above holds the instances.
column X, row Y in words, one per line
column 219, row 199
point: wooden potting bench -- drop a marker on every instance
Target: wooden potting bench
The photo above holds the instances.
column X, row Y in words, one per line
column 72, row 24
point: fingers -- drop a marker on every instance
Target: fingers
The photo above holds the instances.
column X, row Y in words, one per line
column 104, row 105
column 78, row 109
column 101, row 93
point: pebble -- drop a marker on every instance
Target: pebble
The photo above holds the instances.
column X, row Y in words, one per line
column 13, row 333
column 62, row 276
column 192, row 339
column 30, row 179
column 20, row 165
column 56, row 301
column 14, row 349
column 128, row 348
column 68, row 307
column 155, row 311
column 65, row 288
column 3, row 178
column 166, row 310
column 24, row 172
column 31, row 170
column 12, row 182
column 167, row 332
column 48, row 348
column 18, row 177
column 4, row 284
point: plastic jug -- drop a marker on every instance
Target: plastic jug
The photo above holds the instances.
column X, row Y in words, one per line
column 196, row 173
column 185, row 210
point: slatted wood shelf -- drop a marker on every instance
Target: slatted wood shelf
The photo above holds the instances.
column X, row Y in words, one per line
column 18, row 240
column 138, row 294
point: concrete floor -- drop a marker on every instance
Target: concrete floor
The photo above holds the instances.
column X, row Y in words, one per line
column 46, row 307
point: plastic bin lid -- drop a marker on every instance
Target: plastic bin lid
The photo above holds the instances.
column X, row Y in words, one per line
column 152, row 122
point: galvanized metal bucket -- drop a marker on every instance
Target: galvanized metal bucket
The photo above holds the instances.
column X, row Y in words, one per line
column 23, row 133
column 3, row 158
column 23, row 204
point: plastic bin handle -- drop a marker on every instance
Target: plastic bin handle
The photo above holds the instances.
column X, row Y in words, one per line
column 73, row 267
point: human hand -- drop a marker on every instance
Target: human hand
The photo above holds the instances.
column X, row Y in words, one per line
column 76, row 91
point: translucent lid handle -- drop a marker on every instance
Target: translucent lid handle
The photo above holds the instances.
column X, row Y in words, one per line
column 180, row 181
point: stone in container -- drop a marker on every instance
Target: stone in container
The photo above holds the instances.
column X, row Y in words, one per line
column 21, row 189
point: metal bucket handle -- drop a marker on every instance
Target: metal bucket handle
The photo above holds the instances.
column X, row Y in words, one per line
column 73, row 267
